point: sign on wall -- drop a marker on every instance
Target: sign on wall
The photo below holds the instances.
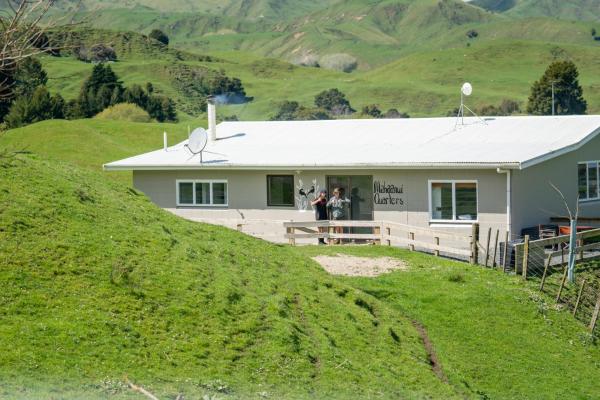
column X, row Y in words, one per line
column 388, row 194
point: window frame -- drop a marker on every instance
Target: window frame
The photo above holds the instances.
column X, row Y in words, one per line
column 194, row 182
column 454, row 220
column 587, row 181
column 269, row 204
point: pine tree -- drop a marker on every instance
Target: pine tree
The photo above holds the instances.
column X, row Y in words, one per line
column 568, row 94
column 37, row 107
column 102, row 89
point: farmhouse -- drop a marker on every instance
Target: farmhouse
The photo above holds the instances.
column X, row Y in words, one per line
column 427, row 172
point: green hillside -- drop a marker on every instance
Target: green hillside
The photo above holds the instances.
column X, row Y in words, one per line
column 98, row 283
column 568, row 10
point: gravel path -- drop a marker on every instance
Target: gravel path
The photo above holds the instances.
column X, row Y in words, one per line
column 359, row 266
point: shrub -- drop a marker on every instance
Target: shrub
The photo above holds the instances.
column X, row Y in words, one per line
column 472, row 34
column 124, row 112
column 96, row 53
column 339, row 62
column 371, row 110
column 333, row 101
column 160, row 36
column 394, row 113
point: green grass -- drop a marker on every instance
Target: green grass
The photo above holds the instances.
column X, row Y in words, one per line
column 98, row 283
column 495, row 335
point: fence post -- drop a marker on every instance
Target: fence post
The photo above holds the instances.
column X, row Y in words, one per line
column 495, row 248
column 330, row 231
column 239, row 227
column 595, row 316
column 525, row 257
column 474, row 240
column 290, row 231
column 546, row 266
column 411, row 235
column 562, row 283
column 436, row 252
column 579, row 297
column 388, row 232
column 506, row 238
column 487, row 247
column 377, row 231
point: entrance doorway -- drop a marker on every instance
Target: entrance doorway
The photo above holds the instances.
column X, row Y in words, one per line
column 357, row 188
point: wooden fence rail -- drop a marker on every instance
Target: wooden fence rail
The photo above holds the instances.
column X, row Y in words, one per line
column 383, row 232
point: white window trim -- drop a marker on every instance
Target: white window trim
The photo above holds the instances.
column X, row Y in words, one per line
column 587, row 181
column 210, row 182
column 454, row 220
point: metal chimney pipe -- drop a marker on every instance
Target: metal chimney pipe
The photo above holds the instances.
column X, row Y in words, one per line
column 212, row 120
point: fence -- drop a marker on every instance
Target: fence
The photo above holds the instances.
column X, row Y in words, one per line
column 544, row 259
column 383, row 232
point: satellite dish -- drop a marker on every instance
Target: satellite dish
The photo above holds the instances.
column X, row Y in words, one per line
column 197, row 141
column 467, row 89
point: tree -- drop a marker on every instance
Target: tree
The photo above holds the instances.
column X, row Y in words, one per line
column 293, row 111
column 102, row 89
column 371, row 110
column 28, row 77
column 568, row 93
column 334, row 102
column 40, row 106
column 135, row 94
column 159, row 35
column 161, row 108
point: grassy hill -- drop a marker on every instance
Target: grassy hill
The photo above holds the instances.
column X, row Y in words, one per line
column 569, row 10
column 98, row 283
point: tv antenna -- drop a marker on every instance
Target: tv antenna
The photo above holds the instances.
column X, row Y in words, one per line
column 197, row 142
column 465, row 91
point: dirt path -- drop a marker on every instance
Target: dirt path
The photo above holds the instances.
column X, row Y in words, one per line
column 342, row 264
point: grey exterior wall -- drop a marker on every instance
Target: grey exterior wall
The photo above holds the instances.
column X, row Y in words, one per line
column 248, row 194
column 534, row 200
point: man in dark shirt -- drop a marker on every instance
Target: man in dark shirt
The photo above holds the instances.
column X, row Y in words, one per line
column 320, row 205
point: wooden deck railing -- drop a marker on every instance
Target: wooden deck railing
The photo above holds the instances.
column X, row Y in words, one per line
column 383, row 233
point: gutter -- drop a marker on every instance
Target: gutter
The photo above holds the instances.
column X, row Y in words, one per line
column 508, row 173
column 208, row 166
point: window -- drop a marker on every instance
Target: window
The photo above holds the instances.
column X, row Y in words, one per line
column 588, row 181
column 202, row 193
column 453, row 200
column 280, row 190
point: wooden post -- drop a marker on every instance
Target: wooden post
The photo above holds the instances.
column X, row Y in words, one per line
column 487, row 247
column 388, row 232
column 581, row 254
column 239, row 227
column 330, row 231
column 562, row 284
column 595, row 315
column 377, row 231
column 517, row 259
column 579, row 297
column 562, row 255
column 411, row 235
column 436, row 252
column 291, row 231
column 546, row 266
column 506, row 238
column 495, row 248
column 474, row 241
column 525, row 257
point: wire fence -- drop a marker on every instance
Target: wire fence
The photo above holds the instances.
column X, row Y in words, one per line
column 545, row 261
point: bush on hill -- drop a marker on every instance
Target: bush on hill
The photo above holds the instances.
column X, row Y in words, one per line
column 159, row 35
column 293, row 111
column 334, row 101
column 371, row 110
column 125, row 112
column 97, row 53
column 394, row 113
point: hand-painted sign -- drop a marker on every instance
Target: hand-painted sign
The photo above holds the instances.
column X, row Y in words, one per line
column 388, row 194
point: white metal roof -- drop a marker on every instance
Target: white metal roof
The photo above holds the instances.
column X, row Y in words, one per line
column 509, row 142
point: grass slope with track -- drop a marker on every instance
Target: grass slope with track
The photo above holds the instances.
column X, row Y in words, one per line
column 97, row 283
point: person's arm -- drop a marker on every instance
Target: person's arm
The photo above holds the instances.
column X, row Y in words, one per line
column 330, row 202
column 315, row 201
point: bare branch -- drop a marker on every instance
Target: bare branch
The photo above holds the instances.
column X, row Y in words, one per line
column 565, row 201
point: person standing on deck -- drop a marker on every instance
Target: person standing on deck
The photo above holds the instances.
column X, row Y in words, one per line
column 320, row 205
column 338, row 205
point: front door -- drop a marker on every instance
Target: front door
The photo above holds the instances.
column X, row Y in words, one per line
column 357, row 188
